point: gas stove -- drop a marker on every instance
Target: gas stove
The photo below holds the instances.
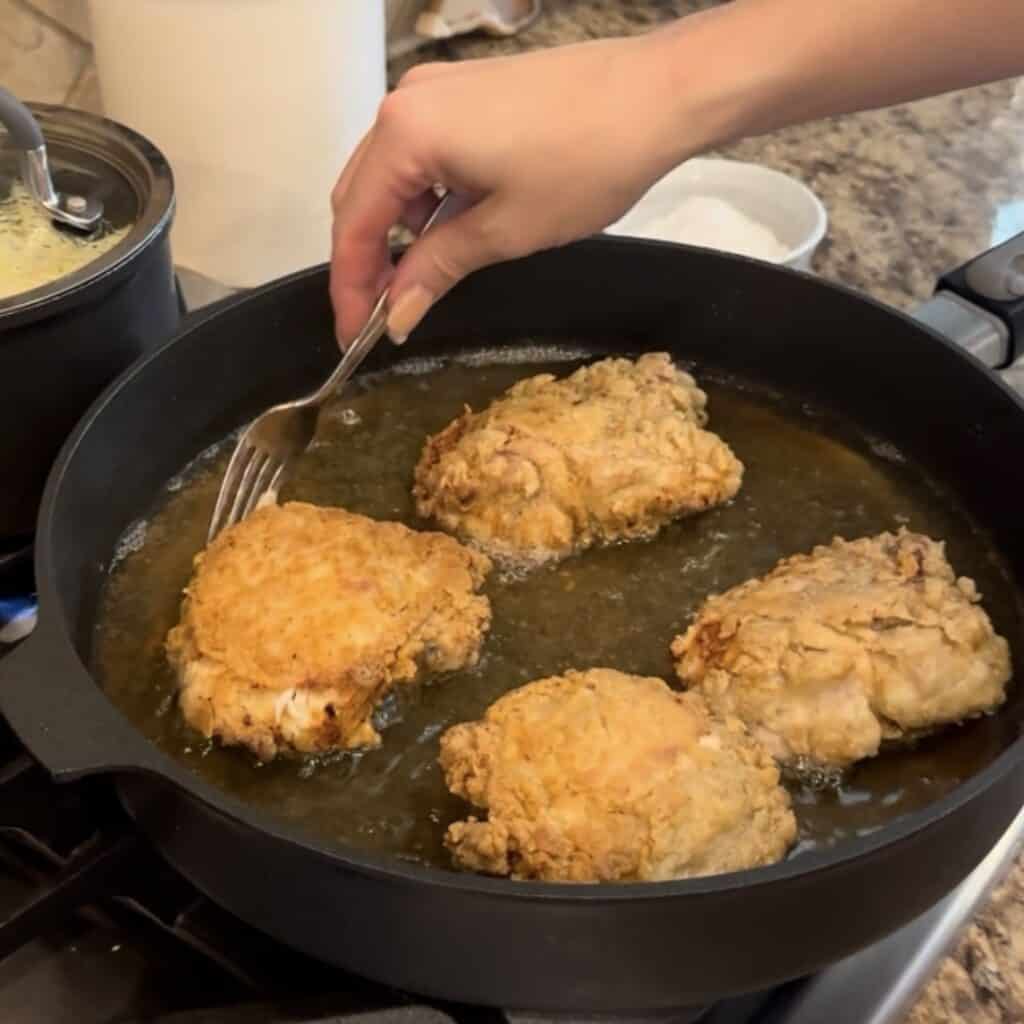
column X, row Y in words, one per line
column 95, row 928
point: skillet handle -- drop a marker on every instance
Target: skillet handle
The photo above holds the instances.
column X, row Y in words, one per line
column 63, row 718
column 981, row 304
column 68, row 725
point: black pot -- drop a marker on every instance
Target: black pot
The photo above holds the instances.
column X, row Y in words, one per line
column 63, row 342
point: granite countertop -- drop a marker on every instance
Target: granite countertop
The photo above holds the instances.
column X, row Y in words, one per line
column 911, row 191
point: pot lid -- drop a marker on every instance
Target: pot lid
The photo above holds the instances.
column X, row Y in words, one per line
column 93, row 163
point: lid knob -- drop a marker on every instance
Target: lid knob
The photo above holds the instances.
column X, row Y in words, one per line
column 80, row 212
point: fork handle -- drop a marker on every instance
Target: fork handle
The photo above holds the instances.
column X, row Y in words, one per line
column 375, row 325
column 357, row 351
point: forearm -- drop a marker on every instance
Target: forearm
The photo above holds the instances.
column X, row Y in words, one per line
column 756, row 65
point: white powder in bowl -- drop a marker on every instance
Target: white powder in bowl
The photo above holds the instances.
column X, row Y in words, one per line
column 715, row 224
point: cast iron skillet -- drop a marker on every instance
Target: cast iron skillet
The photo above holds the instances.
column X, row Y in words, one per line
column 491, row 941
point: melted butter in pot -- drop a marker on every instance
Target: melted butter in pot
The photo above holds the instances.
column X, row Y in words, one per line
column 35, row 252
column 807, row 479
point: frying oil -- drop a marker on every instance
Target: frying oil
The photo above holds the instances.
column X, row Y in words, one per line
column 808, row 478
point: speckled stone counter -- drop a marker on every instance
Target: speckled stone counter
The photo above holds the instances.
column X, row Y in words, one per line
column 910, row 192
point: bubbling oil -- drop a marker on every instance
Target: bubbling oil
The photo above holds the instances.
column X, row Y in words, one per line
column 808, row 479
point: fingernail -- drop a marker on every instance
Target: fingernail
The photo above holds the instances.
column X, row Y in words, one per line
column 407, row 311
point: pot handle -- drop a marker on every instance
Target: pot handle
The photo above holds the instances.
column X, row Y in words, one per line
column 980, row 305
column 83, row 213
column 64, row 720
column 22, row 127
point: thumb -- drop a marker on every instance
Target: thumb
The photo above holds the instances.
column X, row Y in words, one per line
column 437, row 261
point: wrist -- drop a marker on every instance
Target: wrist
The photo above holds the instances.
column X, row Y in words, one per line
column 720, row 82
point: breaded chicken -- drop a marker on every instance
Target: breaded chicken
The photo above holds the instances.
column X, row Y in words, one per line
column 299, row 619
column 833, row 652
column 599, row 776
column 611, row 453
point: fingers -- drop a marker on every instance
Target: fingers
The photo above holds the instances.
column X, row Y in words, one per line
column 387, row 181
column 435, row 263
column 347, row 291
column 341, row 186
column 418, row 211
column 366, row 206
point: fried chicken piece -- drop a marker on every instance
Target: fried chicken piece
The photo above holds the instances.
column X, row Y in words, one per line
column 613, row 452
column 831, row 653
column 599, row 776
column 299, row 619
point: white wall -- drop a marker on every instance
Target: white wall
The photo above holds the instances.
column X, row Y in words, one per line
column 45, row 53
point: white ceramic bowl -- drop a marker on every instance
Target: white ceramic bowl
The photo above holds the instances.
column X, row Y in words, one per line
column 787, row 207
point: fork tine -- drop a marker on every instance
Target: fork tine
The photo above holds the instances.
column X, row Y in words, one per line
column 245, row 485
column 229, row 486
column 260, row 485
column 275, row 483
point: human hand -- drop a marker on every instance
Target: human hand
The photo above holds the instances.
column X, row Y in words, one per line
column 540, row 149
column 553, row 145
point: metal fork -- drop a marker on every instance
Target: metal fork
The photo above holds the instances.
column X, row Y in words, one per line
column 274, row 440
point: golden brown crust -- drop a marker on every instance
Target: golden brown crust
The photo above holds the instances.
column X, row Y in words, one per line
column 832, row 652
column 612, row 452
column 300, row 618
column 601, row 776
